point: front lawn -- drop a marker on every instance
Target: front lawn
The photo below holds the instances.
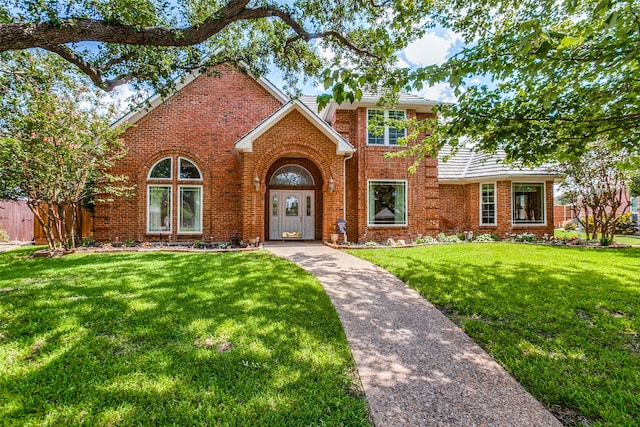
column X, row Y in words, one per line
column 171, row 339
column 564, row 321
column 618, row 238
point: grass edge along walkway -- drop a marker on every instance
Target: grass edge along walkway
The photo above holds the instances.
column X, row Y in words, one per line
column 563, row 321
column 164, row 338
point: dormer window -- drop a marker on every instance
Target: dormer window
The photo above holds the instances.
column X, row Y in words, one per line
column 384, row 135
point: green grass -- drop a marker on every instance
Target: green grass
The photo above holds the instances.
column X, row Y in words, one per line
column 563, row 321
column 618, row 238
column 171, row 339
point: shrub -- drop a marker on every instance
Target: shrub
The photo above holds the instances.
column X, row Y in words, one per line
column 442, row 237
column 569, row 225
column 624, row 224
column 483, row 238
column 4, row 236
column 525, row 237
column 88, row 241
column 425, row 239
column 453, row 239
column 371, row 243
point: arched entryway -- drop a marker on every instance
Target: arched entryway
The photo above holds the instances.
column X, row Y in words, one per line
column 293, row 206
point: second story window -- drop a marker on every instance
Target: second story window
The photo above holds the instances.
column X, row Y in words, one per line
column 384, row 135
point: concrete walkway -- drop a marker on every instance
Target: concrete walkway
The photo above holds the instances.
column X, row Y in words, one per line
column 417, row 368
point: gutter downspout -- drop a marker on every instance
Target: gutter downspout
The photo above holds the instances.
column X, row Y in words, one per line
column 344, row 190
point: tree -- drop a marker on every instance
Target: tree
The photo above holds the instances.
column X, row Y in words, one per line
column 538, row 79
column 150, row 40
column 596, row 187
column 56, row 143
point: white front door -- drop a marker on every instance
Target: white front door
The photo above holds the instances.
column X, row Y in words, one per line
column 291, row 214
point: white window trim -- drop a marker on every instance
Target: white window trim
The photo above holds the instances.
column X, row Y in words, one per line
column 155, row 164
column 406, row 201
column 170, row 187
column 385, row 134
column 544, row 205
column 180, row 210
column 495, row 205
column 188, row 179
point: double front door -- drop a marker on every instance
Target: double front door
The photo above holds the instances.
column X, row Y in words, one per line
column 292, row 214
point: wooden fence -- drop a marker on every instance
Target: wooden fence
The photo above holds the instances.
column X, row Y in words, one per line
column 85, row 225
column 17, row 220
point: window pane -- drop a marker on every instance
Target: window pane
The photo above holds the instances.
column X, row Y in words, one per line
column 395, row 134
column 162, row 169
column 190, row 210
column 375, row 136
column 387, row 203
column 291, row 206
column 292, row 176
column 308, row 205
column 159, row 209
column 188, row 170
column 488, row 207
column 528, row 203
column 274, row 206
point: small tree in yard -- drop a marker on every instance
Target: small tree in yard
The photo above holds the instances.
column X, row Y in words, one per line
column 56, row 143
column 595, row 186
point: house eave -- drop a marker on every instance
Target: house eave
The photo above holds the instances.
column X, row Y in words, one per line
column 501, row 177
column 343, row 147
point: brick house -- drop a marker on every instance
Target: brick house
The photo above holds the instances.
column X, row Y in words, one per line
column 231, row 154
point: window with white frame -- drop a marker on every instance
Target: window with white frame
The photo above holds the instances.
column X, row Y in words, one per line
column 164, row 182
column 378, row 133
column 488, row 204
column 387, row 203
column 528, row 203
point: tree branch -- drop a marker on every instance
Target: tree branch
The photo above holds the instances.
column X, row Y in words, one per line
column 17, row 36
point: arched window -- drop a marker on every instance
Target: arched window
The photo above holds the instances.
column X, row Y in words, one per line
column 164, row 183
column 292, row 176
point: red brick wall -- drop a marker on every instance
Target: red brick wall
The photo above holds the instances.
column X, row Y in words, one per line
column 369, row 163
column 460, row 210
column 201, row 122
column 293, row 137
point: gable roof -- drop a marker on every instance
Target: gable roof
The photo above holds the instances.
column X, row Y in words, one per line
column 469, row 165
column 245, row 144
column 156, row 100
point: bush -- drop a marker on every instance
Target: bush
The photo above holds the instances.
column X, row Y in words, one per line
column 484, row 238
column 453, row 239
column 442, row 237
column 624, row 225
column 525, row 237
column 569, row 225
column 4, row 236
column 425, row 239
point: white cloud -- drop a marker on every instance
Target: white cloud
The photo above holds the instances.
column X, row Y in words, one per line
column 439, row 92
column 432, row 48
column 401, row 63
column 120, row 96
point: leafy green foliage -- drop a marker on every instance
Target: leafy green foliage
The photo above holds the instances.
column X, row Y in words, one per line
column 595, row 185
column 538, row 79
column 56, row 142
column 150, row 41
column 565, row 322
column 171, row 339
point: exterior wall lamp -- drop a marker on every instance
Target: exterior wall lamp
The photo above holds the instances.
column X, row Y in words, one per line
column 256, row 183
column 332, row 185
